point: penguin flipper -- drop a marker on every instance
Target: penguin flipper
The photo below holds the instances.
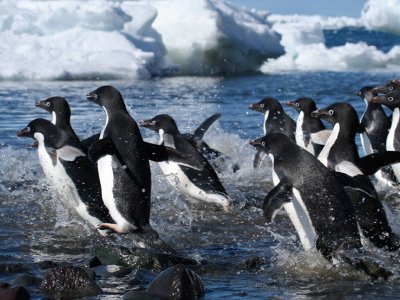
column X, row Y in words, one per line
column 90, row 140
column 69, row 153
column 321, row 136
column 275, row 199
column 258, row 158
column 160, row 153
column 354, row 183
column 203, row 127
column 371, row 163
column 100, row 148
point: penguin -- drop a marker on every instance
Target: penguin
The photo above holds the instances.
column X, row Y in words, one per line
column 61, row 117
column 307, row 125
column 275, row 120
column 69, row 170
column 319, row 197
column 373, row 130
column 202, row 185
column 392, row 100
column 123, row 165
column 340, row 154
column 390, row 86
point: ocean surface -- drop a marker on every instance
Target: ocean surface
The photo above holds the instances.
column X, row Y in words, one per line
column 34, row 226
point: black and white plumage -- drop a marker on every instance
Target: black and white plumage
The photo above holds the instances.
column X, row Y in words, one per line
column 340, row 154
column 69, row 170
column 200, row 184
column 275, row 120
column 306, row 125
column 374, row 129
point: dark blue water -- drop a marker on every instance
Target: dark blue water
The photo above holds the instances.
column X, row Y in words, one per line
column 34, row 226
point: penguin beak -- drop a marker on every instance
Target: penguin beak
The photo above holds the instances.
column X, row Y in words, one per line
column 255, row 106
column 378, row 99
column 358, row 93
column 255, row 143
column 91, row 96
column 319, row 113
column 146, row 123
column 41, row 104
column 289, row 103
column 24, row 132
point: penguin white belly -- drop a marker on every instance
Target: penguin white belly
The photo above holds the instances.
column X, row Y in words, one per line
column 182, row 183
column 323, row 155
column 106, row 176
column 391, row 137
column 299, row 135
column 298, row 215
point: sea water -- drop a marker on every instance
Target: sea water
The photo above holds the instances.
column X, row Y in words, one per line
column 34, row 226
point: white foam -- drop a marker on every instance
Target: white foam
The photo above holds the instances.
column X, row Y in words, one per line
column 382, row 15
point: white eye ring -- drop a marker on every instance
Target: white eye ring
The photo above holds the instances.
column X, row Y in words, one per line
column 153, row 122
column 331, row 112
column 263, row 144
column 297, row 104
column 390, row 99
column 390, row 88
column 261, row 105
column 47, row 103
column 28, row 128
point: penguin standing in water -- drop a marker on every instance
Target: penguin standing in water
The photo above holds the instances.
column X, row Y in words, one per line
column 374, row 128
column 275, row 120
column 123, row 164
column 203, row 185
column 340, row 154
column 318, row 197
column 306, row 125
column 68, row 168
column 392, row 100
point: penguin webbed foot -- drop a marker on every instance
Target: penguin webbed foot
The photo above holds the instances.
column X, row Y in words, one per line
column 115, row 228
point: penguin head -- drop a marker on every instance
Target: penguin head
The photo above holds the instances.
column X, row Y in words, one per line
column 304, row 104
column 272, row 143
column 266, row 104
column 56, row 104
column 390, row 86
column 108, row 97
column 366, row 92
column 161, row 122
column 390, row 99
column 41, row 126
column 340, row 112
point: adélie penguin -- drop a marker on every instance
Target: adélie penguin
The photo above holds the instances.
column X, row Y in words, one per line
column 373, row 130
column 340, row 154
column 306, row 125
column 123, row 165
column 320, row 196
column 203, row 185
column 275, row 120
column 61, row 117
column 69, row 170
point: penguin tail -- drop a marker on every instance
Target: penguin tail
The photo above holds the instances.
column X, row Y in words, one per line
column 149, row 239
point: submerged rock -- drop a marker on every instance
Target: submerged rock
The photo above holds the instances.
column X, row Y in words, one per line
column 90, row 262
column 177, row 282
column 13, row 293
column 69, row 282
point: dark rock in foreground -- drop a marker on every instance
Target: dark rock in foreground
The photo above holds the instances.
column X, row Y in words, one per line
column 69, row 282
column 177, row 282
column 13, row 293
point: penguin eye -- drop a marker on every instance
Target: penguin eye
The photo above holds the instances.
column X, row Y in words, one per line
column 331, row 112
column 263, row 144
column 47, row 103
column 297, row 104
column 153, row 122
column 28, row 129
column 262, row 105
column 390, row 99
column 390, row 87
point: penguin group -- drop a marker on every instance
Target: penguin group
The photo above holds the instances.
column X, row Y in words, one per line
column 325, row 186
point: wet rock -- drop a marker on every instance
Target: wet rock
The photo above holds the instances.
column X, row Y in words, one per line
column 90, row 262
column 253, row 262
column 13, row 268
column 107, row 271
column 140, row 277
column 69, row 281
column 138, row 258
column 139, row 295
column 177, row 282
column 26, row 280
column 13, row 293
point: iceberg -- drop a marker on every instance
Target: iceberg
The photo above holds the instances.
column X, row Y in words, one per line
column 382, row 15
column 130, row 39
